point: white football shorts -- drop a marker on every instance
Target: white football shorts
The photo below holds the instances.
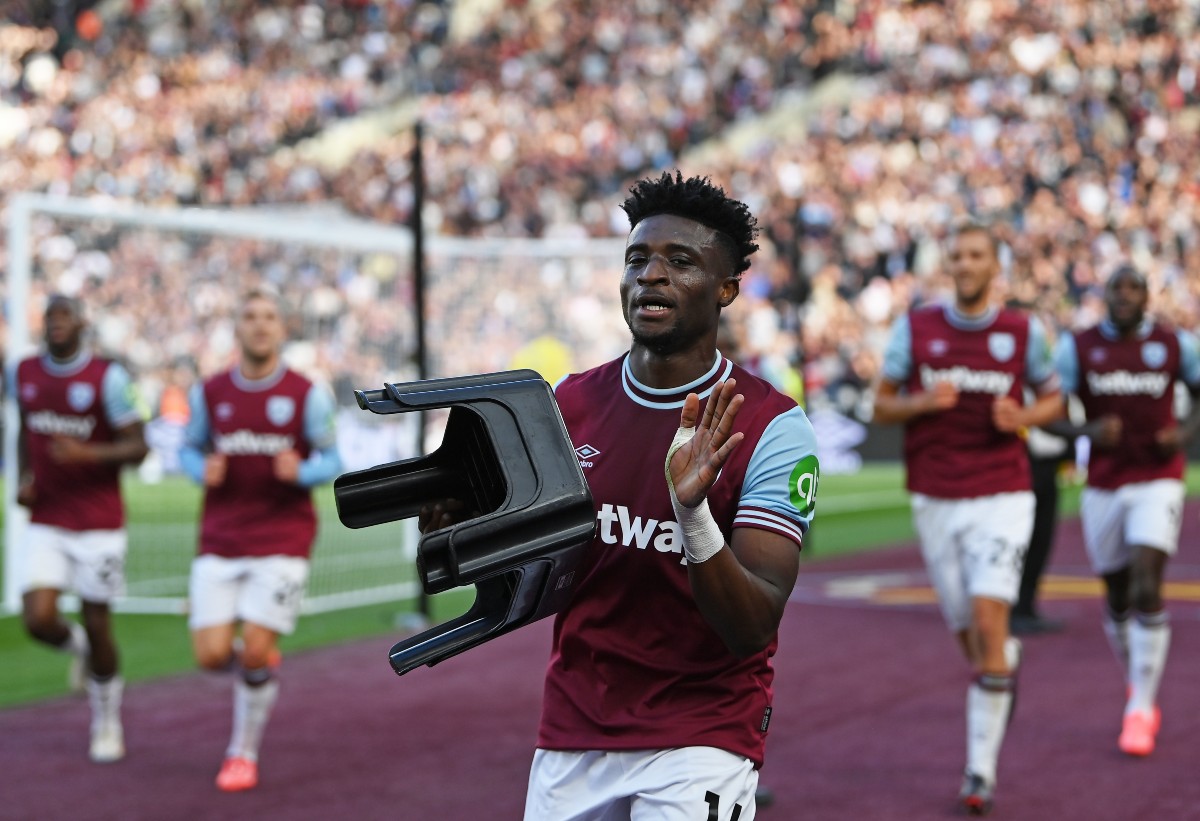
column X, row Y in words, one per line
column 263, row 590
column 973, row 548
column 1147, row 514
column 91, row 563
column 680, row 784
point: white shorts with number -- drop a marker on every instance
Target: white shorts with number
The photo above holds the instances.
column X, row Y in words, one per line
column 681, row 784
column 1147, row 514
column 263, row 590
column 973, row 548
column 90, row 563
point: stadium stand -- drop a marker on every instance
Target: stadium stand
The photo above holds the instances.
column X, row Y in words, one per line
column 1070, row 124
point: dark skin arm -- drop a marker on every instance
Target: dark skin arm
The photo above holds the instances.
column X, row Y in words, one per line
column 128, row 447
column 25, row 493
column 1104, row 431
column 1175, row 438
column 742, row 590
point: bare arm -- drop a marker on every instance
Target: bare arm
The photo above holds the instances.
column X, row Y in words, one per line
column 127, row 447
column 742, row 590
column 1176, row 437
column 895, row 408
column 1009, row 416
column 25, row 491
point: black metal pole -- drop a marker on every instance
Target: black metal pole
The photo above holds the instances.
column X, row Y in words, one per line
column 418, row 235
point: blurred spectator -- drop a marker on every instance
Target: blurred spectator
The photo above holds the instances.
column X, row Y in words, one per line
column 1071, row 125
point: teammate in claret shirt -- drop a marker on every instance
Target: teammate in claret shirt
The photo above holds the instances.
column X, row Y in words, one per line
column 1124, row 371
column 954, row 376
column 658, row 693
column 79, row 426
column 258, row 438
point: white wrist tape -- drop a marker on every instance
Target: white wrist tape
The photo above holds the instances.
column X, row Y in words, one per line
column 702, row 538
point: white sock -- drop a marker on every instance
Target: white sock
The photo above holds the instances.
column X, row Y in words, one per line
column 1116, row 628
column 1012, row 654
column 987, row 719
column 77, row 643
column 251, row 710
column 1149, row 639
column 105, row 698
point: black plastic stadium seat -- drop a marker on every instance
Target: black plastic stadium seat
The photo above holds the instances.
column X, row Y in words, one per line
column 506, row 454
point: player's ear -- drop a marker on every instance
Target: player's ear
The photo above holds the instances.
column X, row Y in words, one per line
column 730, row 288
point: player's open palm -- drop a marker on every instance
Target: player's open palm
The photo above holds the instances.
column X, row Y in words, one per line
column 695, row 464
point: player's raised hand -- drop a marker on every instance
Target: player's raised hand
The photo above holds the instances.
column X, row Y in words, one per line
column 214, row 469
column 695, row 464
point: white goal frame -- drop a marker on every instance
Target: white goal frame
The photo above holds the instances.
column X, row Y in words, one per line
column 295, row 226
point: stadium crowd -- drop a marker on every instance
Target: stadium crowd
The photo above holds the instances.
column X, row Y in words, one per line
column 1071, row 125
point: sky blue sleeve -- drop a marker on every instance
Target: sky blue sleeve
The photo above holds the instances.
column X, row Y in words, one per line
column 10, row 383
column 1189, row 359
column 897, row 356
column 1066, row 362
column 780, row 489
column 119, row 397
column 323, row 463
column 1039, row 356
column 195, row 435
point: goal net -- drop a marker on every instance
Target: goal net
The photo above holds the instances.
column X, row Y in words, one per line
column 161, row 286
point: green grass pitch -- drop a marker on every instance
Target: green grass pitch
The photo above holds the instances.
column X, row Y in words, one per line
column 854, row 512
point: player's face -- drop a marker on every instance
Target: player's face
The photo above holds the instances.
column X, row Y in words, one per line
column 1126, row 296
column 973, row 265
column 260, row 329
column 676, row 280
column 64, row 328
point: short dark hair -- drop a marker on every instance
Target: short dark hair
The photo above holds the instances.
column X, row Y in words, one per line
column 1126, row 270
column 974, row 226
column 73, row 302
column 698, row 199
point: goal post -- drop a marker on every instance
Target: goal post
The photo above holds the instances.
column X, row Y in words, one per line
column 492, row 304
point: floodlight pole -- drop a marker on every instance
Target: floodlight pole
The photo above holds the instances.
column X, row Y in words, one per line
column 418, row 246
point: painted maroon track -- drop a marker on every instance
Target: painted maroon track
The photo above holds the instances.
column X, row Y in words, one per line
column 868, row 723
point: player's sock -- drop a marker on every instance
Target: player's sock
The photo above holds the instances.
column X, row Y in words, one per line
column 989, row 699
column 77, row 646
column 1116, row 628
column 105, row 695
column 252, row 703
column 1149, row 640
column 107, row 734
column 76, row 643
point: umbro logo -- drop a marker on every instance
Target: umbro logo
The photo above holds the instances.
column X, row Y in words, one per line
column 586, row 454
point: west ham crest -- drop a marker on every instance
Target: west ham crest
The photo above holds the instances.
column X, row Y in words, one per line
column 1154, row 354
column 280, row 409
column 80, row 396
column 1002, row 346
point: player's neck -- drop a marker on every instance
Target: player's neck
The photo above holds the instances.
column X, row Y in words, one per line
column 254, row 369
column 66, row 354
column 972, row 309
column 664, row 371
